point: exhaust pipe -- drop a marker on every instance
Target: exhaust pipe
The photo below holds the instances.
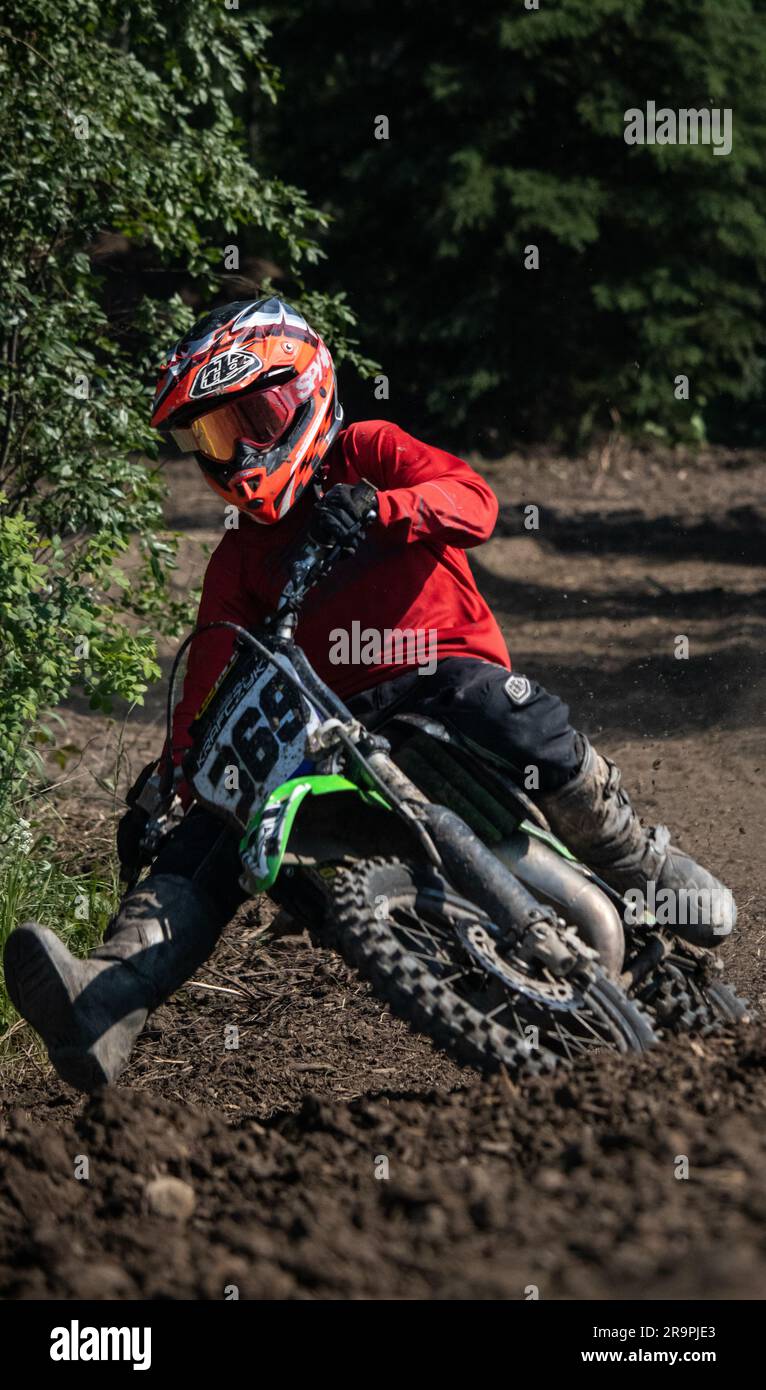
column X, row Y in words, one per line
column 576, row 898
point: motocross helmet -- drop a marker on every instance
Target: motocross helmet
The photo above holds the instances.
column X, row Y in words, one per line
column 251, row 391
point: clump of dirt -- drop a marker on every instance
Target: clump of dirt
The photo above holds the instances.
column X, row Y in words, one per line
column 574, row 1184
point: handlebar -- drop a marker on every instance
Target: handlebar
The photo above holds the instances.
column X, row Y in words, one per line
column 315, row 559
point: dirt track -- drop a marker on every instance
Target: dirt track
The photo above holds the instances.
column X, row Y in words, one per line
column 567, row 1184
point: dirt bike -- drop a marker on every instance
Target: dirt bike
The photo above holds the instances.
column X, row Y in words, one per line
column 417, row 858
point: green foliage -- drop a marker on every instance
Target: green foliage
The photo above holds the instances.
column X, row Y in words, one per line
column 507, row 130
column 120, row 124
column 53, row 635
column 35, row 884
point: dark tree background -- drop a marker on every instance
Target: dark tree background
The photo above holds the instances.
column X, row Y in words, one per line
column 506, row 129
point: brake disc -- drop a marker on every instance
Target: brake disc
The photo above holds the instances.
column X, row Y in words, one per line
column 479, row 943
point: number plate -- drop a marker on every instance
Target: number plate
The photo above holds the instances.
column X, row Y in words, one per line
column 251, row 736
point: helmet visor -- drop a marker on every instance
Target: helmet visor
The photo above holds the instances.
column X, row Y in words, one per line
column 259, row 419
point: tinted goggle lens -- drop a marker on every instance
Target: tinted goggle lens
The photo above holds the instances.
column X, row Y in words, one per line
column 259, row 419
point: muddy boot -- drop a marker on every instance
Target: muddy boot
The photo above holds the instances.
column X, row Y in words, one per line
column 90, row 1012
column 593, row 816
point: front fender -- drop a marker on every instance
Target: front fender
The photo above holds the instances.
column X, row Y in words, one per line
column 263, row 845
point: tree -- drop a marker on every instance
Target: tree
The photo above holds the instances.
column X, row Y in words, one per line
column 461, row 146
column 118, row 120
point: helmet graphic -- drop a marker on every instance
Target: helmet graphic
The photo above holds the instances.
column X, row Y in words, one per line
column 251, row 391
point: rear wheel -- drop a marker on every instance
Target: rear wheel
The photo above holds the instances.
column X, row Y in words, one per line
column 435, row 959
column 685, row 995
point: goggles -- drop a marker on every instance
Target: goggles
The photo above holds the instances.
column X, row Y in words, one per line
column 259, row 419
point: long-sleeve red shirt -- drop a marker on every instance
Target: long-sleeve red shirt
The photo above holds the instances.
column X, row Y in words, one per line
column 410, row 572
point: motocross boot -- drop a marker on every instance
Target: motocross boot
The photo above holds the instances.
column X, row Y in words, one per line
column 593, row 816
column 90, row 1012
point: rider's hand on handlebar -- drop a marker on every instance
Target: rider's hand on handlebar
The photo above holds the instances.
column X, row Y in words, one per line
column 343, row 513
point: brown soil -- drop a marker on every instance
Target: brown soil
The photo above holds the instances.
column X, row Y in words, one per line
column 569, row 1184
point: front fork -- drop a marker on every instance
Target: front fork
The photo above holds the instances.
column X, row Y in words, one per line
column 521, row 921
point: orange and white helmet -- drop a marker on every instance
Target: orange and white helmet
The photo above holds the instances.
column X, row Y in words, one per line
column 251, row 391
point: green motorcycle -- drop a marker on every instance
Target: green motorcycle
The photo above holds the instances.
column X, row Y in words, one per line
column 417, row 858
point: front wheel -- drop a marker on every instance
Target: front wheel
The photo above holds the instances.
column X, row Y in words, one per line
column 433, row 957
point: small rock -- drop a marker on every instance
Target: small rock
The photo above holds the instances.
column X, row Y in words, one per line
column 551, row 1179
column 171, row 1198
column 102, row 1280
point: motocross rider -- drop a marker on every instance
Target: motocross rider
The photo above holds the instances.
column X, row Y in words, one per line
column 251, row 391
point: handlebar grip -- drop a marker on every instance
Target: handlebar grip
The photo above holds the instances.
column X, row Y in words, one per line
column 370, row 492
column 316, row 556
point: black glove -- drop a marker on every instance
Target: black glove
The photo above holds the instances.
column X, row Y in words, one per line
column 343, row 513
column 130, row 830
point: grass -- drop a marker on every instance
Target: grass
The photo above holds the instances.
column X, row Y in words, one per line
column 76, row 903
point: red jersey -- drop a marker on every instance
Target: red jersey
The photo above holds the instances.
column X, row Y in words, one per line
column 404, row 599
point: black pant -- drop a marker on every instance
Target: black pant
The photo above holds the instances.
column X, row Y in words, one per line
column 512, row 716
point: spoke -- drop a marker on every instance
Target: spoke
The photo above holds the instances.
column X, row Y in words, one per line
column 519, row 1023
column 458, row 975
column 584, row 1019
column 436, row 945
column 418, row 930
column 563, row 1040
column 425, row 950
